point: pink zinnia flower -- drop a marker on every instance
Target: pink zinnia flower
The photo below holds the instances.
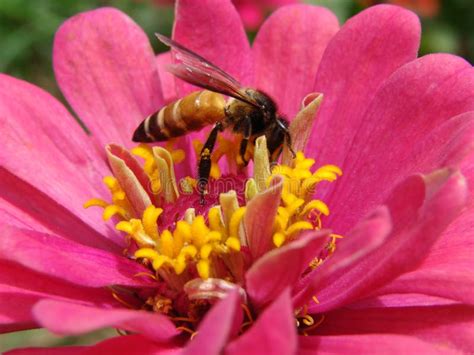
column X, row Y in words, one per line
column 400, row 128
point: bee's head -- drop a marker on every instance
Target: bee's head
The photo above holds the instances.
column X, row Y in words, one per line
column 267, row 105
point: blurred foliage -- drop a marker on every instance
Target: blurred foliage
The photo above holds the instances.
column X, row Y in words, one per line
column 27, row 30
column 42, row 338
column 26, row 35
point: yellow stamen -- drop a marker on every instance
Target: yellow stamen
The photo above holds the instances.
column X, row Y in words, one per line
column 298, row 226
column 167, row 247
column 150, row 216
column 112, row 210
column 233, row 243
column 203, row 269
column 147, row 253
column 215, row 219
column 184, row 230
column 199, row 231
column 206, row 251
column 235, row 221
column 95, row 202
column 318, row 205
column 278, row 239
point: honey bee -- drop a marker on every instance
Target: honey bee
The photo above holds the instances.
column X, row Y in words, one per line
column 247, row 111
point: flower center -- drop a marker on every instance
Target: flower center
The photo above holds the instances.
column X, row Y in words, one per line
column 199, row 253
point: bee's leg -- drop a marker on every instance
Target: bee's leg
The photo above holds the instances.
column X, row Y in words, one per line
column 204, row 168
column 289, row 144
column 283, row 127
column 245, row 141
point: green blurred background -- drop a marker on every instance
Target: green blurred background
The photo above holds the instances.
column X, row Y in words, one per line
column 27, row 29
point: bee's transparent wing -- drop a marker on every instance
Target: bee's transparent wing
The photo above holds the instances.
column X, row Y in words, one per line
column 196, row 70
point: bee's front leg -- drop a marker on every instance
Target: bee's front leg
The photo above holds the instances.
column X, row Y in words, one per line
column 245, row 141
column 204, row 168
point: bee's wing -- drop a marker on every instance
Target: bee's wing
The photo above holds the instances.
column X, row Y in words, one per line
column 196, row 70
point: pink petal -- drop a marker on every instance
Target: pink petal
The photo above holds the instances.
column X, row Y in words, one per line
column 273, row 332
column 107, row 71
column 445, row 327
column 67, row 260
column 196, row 25
column 448, row 282
column 251, row 15
column 14, row 318
column 447, row 270
column 72, row 319
column 402, row 300
column 17, row 217
column 282, row 267
column 369, row 234
column 220, row 324
column 454, row 249
column 19, row 285
column 367, row 49
column 287, row 52
column 456, row 245
column 131, row 178
column 429, row 91
column 129, row 344
column 168, row 84
column 259, row 216
column 366, row 344
column 421, row 208
column 448, row 144
column 48, row 163
column 299, row 126
column 132, row 344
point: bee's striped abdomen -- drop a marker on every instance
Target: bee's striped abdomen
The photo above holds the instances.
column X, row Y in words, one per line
column 190, row 113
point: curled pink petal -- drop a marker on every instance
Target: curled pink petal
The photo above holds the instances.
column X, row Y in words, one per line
column 301, row 124
column 369, row 234
column 131, row 178
column 420, row 211
column 68, row 319
column 259, row 216
column 282, row 267
column 220, row 324
column 272, row 333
